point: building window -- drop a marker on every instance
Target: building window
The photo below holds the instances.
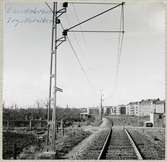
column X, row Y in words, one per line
column 160, row 116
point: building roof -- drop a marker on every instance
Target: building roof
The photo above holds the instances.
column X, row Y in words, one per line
column 160, row 102
column 121, row 105
column 108, row 106
column 133, row 103
column 149, row 101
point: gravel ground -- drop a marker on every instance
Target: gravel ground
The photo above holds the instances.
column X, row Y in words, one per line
column 151, row 147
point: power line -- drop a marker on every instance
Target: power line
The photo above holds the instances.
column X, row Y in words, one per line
column 74, row 34
column 49, row 6
column 81, row 66
column 119, row 48
column 97, row 31
column 93, row 3
column 95, row 16
column 69, row 29
column 77, row 17
column 79, row 62
column 119, row 51
column 123, row 17
column 120, row 42
column 120, row 35
column 119, row 58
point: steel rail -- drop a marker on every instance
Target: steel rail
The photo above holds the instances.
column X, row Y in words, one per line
column 106, row 143
column 138, row 154
column 103, row 150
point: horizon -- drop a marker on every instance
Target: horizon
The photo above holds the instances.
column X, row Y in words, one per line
column 44, row 107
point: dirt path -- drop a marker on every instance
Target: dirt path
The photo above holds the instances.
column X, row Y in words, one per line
column 82, row 145
column 78, row 148
column 106, row 123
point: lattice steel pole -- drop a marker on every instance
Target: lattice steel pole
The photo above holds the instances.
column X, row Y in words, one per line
column 54, row 119
column 55, row 42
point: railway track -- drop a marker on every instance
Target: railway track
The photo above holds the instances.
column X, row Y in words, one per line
column 119, row 145
column 93, row 148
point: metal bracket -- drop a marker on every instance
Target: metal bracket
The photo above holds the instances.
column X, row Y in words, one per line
column 61, row 39
column 60, row 43
column 59, row 89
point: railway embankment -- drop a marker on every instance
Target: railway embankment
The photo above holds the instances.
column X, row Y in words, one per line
column 94, row 142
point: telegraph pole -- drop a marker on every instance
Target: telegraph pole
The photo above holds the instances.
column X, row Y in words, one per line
column 54, row 119
column 101, row 106
column 55, row 42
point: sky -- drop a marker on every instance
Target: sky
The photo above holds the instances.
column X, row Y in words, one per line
column 27, row 55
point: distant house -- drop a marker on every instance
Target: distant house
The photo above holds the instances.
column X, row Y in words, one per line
column 152, row 106
column 88, row 112
column 84, row 113
column 108, row 110
column 158, row 119
column 93, row 111
column 120, row 110
column 159, row 106
column 133, row 108
column 146, row 107
column 115, row 110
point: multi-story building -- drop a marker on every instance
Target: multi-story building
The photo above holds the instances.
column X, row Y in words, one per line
column 107, row 110
column 159, row 106
column 145, row 107
column 110, row 110
column 120, row 109
column 133, row 108
column 115, row 110
column 141, row 108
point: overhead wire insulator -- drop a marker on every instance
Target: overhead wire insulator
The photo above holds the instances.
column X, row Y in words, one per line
column 65, row 32
column 65, row 4
column 57, row 21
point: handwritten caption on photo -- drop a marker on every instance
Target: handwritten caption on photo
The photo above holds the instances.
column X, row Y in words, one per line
column 16, row 16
